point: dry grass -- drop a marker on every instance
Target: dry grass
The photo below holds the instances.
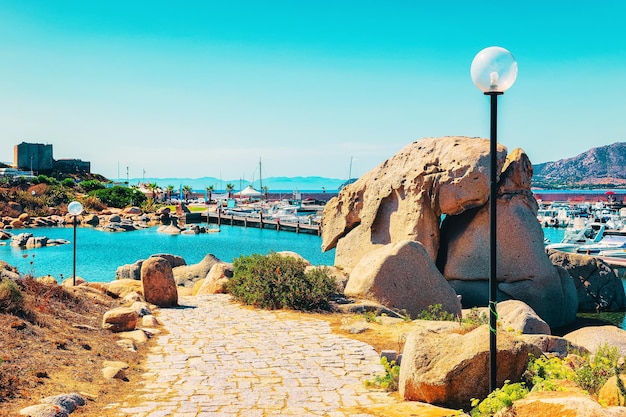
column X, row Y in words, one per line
column 56, row 345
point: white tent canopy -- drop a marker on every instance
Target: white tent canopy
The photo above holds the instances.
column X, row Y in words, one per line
column 249, row 191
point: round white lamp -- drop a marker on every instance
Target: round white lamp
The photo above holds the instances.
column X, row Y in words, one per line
column 75, row 209
column 494, row 71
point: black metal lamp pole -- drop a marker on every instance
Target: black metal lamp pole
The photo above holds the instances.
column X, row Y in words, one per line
column 75, row 209
column 74, row 271
column 493, row 278
column 494, row 71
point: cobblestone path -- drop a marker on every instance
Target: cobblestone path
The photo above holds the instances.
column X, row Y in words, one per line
column 220, row 359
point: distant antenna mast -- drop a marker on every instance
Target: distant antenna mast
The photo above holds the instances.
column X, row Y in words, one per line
column 350, row 172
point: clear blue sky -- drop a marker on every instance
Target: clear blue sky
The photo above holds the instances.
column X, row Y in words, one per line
column 206, row 88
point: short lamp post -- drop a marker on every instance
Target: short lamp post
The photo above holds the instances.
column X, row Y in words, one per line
column 493, row 71
column 75, row 209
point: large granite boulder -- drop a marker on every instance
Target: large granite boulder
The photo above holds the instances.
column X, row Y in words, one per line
column 171, row 229
column 404, row 197
column 567, row 400
column 215, row 281
column 158, row 283
column 450, row 369
column 597, row 285
column 129, row 271
column 187, row 275
column 174, row 260
column 37, row 242
column 120, row 319
column 120, row 288
column 518, row 316
column 592, row 338
column 524, row 271
column 402, row 276
column 133, row 271
column 21, row 239
column 91, row 219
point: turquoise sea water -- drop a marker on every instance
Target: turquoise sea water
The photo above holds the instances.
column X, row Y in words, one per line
column 98, row 254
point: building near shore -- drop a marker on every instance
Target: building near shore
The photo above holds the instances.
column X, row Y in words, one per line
column 33, row 157
column 38, row 157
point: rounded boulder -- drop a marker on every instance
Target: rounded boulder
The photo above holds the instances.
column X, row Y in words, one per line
column 158, row 283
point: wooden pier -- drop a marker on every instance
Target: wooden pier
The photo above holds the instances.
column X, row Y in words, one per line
column 257, row 222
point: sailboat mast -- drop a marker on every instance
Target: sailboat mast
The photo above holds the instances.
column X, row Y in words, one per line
column 260, row 177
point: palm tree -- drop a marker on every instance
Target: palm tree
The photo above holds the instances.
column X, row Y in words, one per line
column 265, row 190
column 186, row 191
column 152, row 186
column 169, row 189
column 229, row 188
column 209, row 193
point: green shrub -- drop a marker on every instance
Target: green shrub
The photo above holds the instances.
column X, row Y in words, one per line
column 91, row 185
column 436, row 312
column 543, row 372
column 68, row 182
column 11, row 298
column 43, row 179
column 596, row 369
column 276, row 281
column 590, row 372
column 389, row 381
column 500, row 398
column 119, row 197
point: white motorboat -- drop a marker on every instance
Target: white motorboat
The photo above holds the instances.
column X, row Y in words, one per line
column 578, row 236
column 609, row 242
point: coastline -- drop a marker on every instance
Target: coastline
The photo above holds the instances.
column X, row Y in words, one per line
column 580, row 196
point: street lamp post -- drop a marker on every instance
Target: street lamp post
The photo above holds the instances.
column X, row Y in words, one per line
column 493, row 71
column 75, row 209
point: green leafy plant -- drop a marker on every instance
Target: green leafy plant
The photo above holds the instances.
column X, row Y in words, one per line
column 500, row 398
column 596, row 369
column 543, row 372
column 474, row 319
column 389, row 381
column 589, row 371
column 371, row 317
column 436, row 312
column 274, row 281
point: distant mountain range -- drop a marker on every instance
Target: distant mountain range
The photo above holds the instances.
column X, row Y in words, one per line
column 273, row 184
column 602, row 167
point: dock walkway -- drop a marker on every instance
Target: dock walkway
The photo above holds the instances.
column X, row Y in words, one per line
column 258, row 222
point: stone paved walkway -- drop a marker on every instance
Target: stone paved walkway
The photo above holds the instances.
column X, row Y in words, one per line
column 220, row 359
